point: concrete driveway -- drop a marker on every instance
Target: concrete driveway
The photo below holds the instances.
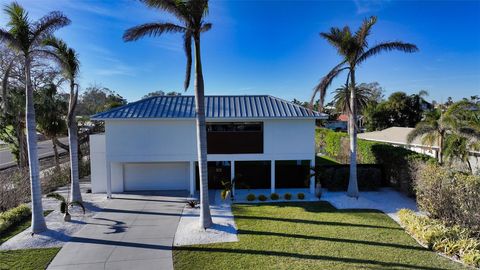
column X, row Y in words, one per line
column 134, row 231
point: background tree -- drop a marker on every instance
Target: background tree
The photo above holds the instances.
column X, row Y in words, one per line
column 341, row 99
column 67, row 59
column 190, row 14
column 24, row 37
column 50, row 110
column 354, row 50
column 161, row 93
column 97, row 98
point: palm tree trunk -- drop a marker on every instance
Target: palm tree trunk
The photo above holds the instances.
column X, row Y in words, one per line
column 205, row 217
column 75, row 194
column 352, row 183
column 55, row 154
column 440, row 148
column 38, row 221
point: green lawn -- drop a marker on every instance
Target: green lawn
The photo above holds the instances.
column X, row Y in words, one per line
column 324, row 160
column 27, row 258
column 312, row 236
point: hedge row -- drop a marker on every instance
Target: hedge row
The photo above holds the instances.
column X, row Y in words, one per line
column 13, row 216
column 398, row 163
column 452, row 197
column 335, row 177
column 453, row 241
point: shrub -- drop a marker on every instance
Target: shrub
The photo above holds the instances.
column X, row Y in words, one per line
column 452, row 197
column 262, row 198
column 251, row 197
column 453, row 241
column 398, row 162
column 335, row 177
column 287, row 196
column 13, row 216
column 274, row 196
column 301, row 196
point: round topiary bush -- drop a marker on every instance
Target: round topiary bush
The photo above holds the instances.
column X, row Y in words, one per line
column 251, row 197
column 301, row 196
column 262, row 198
column 274, row 196
column 287, row 196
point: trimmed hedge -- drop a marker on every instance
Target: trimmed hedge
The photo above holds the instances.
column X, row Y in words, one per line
column 452, row 197
column 14, row 216
column 398, row 163
column 336, row 177
column 454, row 241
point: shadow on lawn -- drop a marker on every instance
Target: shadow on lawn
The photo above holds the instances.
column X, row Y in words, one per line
column 306, row 257
column 321, row 238
column 316, row 222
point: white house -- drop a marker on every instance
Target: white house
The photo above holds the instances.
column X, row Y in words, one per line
column 261, row 141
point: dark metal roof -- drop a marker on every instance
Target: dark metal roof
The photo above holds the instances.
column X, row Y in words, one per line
column 215, row 107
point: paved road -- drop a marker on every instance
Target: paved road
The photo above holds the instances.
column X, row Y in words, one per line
column 44, row 150
column 134, row 231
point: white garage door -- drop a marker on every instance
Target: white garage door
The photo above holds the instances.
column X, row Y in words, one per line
column 156, row 176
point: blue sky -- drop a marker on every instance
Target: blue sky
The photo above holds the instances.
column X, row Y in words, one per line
column 273, row 47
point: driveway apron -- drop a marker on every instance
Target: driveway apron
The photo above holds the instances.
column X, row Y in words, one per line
column 134, row 231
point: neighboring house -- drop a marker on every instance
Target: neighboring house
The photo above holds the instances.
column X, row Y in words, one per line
column 341, row 123
column 262, row 141
column 398, row 136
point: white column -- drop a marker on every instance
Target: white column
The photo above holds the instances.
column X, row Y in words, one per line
column 109, row 180
column 312, row 178
column 272, row 176
column 232, row 175
column 192, row 178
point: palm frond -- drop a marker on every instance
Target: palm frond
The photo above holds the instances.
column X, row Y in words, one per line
column 188, row 52
column 151, row 29
column 206, row 27
column 9, row 39
column 420, row 130
column 363, row 32
column 46, row 25
column 387, row 46
column 56, row 196
column 177, row 8
column 325, row 82
column 335, row 37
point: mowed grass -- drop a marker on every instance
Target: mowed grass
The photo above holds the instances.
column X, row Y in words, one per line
column 27, row 258
column 312, row 235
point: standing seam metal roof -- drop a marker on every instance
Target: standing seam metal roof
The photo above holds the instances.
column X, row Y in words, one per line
column 215, row 107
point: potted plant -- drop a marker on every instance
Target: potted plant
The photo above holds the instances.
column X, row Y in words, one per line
column 64, row 205
column 227, row 189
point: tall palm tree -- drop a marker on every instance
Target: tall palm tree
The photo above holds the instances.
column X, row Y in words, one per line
column 190, row 14
column 67, row 58
column 432, row 130
column 354, row 50
column 25, row 37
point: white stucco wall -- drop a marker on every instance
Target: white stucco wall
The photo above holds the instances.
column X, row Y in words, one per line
column 127, row 141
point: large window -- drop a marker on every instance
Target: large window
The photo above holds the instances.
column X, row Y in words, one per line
column 292, row 173
column 235, row 138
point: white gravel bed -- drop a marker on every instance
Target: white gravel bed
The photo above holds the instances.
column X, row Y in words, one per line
column 224, row 229
column 386, row 200
column 58, row 231
column 241, row 195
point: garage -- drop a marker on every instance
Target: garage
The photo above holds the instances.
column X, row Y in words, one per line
column 156, row 176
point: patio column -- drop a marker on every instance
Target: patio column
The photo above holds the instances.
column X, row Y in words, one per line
column 109, row 180
column 192, row 178
column 312, row 177
column 232, row 175
column 272, row 176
